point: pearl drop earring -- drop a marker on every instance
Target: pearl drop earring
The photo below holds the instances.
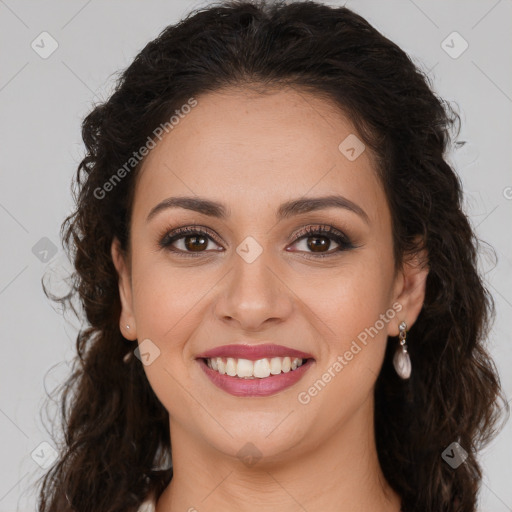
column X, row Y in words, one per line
column 401, row 360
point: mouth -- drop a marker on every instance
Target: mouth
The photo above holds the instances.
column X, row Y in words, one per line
column 253, row 352
column 244, row 371
column 259, row 369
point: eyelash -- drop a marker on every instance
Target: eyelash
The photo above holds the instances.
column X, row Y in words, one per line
column 330, row 232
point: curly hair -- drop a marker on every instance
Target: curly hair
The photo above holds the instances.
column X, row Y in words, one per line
column 116, row 432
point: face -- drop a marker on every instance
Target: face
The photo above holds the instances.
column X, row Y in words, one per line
column 264, row 265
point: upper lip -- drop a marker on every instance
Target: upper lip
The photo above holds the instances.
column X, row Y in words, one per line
column 253, row 352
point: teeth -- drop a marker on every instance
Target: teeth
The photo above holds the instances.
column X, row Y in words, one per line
column 231, row 367
column 246, row 369
column 275, row 366
column 261, row 368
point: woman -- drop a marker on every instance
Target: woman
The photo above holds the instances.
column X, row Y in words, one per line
column 278, row 277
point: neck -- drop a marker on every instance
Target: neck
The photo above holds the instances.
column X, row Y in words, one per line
column 340, row 474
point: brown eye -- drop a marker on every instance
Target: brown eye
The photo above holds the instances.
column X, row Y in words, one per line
column 188, row 241
column 195, row 242
column 320, row 239
column 318, row 243
column 191, row 241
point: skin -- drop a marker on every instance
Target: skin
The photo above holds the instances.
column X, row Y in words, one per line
column 253, row 152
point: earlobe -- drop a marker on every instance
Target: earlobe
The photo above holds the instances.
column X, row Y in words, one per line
column 127, row 319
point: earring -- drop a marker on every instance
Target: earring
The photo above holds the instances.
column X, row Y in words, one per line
column 128, row 356
column 401, row 360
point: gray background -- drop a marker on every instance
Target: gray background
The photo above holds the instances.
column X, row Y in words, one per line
column 43, row 101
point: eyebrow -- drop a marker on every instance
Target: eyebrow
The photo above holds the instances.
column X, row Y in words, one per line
column 286, row 210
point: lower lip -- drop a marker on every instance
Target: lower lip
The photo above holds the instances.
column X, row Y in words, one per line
column 255, row 387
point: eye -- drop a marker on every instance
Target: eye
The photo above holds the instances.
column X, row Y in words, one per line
column 191, row 241
column 316, row 240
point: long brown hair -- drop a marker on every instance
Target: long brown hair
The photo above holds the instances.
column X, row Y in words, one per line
column 116, row 432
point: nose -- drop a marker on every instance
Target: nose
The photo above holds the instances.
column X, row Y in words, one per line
column 254, row 294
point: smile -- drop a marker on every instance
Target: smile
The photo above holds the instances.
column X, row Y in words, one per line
column 260, row 369
column 250, row 384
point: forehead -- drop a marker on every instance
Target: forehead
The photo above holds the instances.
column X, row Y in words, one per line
column 250, row 146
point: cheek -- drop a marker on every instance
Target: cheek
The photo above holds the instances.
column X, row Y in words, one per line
column 351, row 308
column 166, row 303
column 355, row 308
column 358, row 300
column 165, row 300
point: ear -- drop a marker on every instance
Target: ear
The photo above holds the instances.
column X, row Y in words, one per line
column 127, row 317
column 409, row 291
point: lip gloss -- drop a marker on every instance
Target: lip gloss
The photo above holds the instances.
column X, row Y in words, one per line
column 255, row 387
